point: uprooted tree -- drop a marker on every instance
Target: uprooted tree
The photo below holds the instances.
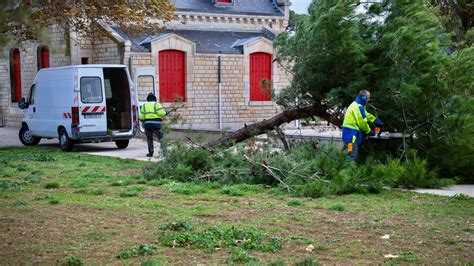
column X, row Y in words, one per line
column 421, row 82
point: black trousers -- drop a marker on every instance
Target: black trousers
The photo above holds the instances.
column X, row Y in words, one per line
column 149, row 138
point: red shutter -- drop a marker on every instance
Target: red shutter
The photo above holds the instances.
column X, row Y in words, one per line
column 16, row 86
column 171, row 74
column 44, row 57
column 260, row 69
column 224, row 1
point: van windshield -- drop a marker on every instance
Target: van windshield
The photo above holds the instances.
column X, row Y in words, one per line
column 91, row 90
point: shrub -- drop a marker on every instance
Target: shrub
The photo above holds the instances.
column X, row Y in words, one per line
column 417, row 174
column 307, row 170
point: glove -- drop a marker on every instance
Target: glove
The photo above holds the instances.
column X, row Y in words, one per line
column 378, row 122
column 372, row 133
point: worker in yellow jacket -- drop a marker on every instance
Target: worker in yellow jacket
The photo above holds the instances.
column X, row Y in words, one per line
column 356, row 125
column 151, row 114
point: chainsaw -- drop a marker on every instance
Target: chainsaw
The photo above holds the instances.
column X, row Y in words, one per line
column 381, row 134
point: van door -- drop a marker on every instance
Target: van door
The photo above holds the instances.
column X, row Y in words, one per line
column 145, row 82
column 92, row 108
column 31, row 116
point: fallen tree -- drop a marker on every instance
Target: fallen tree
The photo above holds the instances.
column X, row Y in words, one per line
column 272, row 123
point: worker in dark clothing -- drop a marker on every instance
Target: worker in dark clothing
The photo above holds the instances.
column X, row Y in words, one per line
column 355, row 125
column 151, row 114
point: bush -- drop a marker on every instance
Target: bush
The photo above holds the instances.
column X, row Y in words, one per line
column 307, row 170
column 416, row 174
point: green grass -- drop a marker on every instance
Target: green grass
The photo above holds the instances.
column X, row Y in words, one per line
column 142, row 250
column 337, row 207
column 55, row 204
column 294, row 202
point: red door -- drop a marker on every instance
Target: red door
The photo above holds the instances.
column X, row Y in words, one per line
column 16, row 86
column 44, row 54
column 260, row 76
column 171, row 74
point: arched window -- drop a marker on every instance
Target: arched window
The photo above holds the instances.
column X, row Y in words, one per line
column 43, row 57
column 15, row 75
column 172, row 71
column 260, row 76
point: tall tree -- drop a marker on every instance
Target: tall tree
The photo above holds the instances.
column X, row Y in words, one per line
column 22, row 20
column 458, row 18
column 398, row 49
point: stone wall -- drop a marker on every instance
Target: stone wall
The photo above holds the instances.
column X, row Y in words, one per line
column 201, row 108
column 56, row 43
column 107, row 51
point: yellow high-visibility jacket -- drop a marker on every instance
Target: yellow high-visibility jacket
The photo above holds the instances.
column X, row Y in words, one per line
column 151, row 111
column 356, row 122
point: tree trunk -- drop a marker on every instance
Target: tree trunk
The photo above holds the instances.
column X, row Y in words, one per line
column 270, row 124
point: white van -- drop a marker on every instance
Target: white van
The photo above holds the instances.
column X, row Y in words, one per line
column 82, row 103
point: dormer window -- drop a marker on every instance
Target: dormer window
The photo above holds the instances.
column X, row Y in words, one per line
column 224, row 2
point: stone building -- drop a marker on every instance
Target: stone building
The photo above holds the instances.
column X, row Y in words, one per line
column 232, row 38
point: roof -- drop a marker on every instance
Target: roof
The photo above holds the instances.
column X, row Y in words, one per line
column 207, row 41
column 245, row 7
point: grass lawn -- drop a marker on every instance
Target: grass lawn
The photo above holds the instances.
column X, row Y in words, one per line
column 60, row 207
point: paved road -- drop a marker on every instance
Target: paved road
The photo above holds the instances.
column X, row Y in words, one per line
column 137, row 149
column 451, row 191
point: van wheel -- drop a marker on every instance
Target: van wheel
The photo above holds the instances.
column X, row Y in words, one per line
column 122, row 144
column 64, row 141
column 26, row 138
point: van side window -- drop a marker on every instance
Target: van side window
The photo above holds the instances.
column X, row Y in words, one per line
column 108, row 88
column 31, row 97
column 91, row 90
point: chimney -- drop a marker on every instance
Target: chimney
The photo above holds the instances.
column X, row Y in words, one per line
column 285, row 5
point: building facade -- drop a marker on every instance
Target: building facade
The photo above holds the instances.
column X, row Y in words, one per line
column 209, row 41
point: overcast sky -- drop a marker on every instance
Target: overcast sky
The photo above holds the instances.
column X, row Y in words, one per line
column 300, row 6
